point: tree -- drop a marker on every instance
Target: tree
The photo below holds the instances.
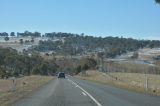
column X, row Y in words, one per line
column 21, row 41
column 4, row 34
column 43, row 69
column 85, row 67
column 26, row 41
column 35, row 70
column 47, row 54
column 6, row 38
column 15, row 73
column 2, row 73
column 78, row 69
column 37, row 34
column 13, row 64
column 12, row 34
column 27, row 33
column 151, row 45
column 157, row 1
column 32, row 40
column 74, row 44
column 135, row 55
column 90, row 63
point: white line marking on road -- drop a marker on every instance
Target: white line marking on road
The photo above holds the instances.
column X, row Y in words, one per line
column 84, row 94
column 98, row 104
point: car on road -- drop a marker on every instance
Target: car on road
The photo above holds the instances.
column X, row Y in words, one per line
column 61, row 75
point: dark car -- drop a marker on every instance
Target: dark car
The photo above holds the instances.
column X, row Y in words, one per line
column 61, row 75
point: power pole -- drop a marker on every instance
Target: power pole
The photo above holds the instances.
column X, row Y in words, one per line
column 102, row 62
column 146, row 82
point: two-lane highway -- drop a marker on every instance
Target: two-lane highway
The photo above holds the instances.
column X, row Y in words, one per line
column 58, row 92
column 76, row 92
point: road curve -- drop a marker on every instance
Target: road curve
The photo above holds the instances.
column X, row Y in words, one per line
column 76, row 92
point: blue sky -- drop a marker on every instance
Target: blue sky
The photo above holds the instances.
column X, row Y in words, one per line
column 128, row 18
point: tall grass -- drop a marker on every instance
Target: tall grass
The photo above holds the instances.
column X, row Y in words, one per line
column 128, row 67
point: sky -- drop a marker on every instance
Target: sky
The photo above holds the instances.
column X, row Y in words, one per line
column 138, row 19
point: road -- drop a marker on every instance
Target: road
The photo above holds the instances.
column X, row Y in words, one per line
column 76, row 92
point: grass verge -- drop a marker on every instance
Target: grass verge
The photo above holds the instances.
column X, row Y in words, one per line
column 24, row 86
column 131, row 81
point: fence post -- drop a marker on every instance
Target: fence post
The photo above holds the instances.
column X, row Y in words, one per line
column 13, row 87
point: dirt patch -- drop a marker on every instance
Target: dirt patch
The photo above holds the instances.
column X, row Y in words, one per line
column 23, row 86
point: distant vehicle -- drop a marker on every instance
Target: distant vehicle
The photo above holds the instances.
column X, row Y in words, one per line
column 61, row 75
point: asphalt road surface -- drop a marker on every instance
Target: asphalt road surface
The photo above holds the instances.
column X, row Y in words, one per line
column 76, row 92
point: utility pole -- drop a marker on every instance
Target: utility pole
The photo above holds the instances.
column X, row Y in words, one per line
column 146, row 82
column 146, row 78
column 102, row 62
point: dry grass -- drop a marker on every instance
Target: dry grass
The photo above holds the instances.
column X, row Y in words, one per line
column 23, row 87
column 131, row 81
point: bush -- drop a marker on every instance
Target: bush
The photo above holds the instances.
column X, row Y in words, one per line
column 15, row 73
column 85, row 67
column 2, row 73
column 6, row 38
column 35, row 70
column 78, row 69
column 135, row 55
column 88, row 63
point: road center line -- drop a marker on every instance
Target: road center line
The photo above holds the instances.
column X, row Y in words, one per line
column 98, row 104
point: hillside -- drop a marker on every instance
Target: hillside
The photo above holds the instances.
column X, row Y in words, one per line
column 64, row 51
column 74, row 44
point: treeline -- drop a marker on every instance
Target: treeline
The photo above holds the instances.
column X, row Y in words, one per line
column 85, row 64
column 14, row 64
column 37, row 34
column 60, row 35
column 4, row 34
column 23, row 34
column 75, row 66
column 79, row 44
column 49, row 45
column 27, row 33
